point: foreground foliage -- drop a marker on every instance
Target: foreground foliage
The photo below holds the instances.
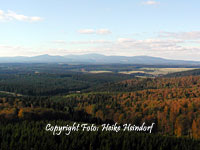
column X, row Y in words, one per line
column 32, row 135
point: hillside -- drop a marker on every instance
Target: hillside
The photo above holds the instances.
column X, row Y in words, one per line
column 195, row 72
column 171, row 103
column 150, row 83
column 96, row 59
column 29, row 100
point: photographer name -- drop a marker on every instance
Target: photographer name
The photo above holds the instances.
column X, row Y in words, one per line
column 67, row 129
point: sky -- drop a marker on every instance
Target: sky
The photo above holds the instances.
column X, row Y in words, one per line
column 161, row 28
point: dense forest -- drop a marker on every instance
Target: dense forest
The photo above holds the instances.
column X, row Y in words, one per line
column 195, row 72
column 29, row 100
column 30, row 135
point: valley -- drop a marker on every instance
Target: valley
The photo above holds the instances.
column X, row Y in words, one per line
column 165, row 96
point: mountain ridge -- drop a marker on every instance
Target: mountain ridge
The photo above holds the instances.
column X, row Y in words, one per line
column 94, row 58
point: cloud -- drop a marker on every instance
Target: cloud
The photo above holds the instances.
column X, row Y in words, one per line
column 194, row 35
column 150, row 2
column 11, row 15
column 158, row 47
column 87, row 31
column 103, row 31
column 16, row 50
column 59, row 42
column 92, row 31
column 150, row 44
column 131, row 46
column 65, row 51
column 92, row 42
column 124, row 40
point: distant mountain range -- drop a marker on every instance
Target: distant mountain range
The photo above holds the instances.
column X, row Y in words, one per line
column 96, row 59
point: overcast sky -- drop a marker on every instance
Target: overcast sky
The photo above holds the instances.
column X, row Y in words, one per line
column 162, row 28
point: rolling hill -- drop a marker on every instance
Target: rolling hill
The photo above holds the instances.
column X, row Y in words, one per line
column 96, row 59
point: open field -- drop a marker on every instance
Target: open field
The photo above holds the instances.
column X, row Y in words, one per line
column 131, row 72
column 147, row 71
column 158, row 71
column 102, row 71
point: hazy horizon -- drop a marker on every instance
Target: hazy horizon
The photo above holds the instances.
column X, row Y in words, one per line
column 156, row 28
column 68, row 55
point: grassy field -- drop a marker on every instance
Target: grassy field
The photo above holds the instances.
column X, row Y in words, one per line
column 132, row 72
column 158, row 71
column 148, row 71
column 101, row 71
